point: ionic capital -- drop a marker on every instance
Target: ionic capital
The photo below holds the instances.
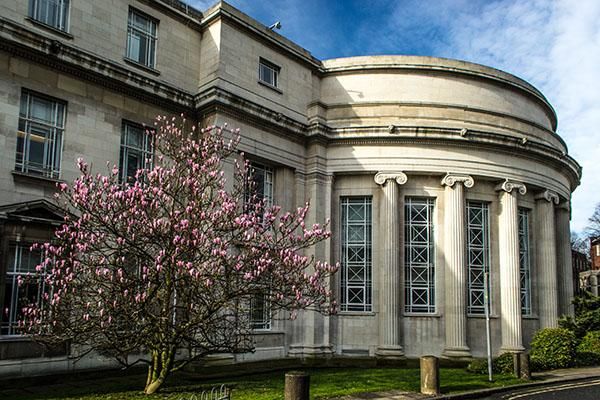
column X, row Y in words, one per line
column 451, row 179
column 509, row 185
column 398, row 176
column 564, row 205
column 548, row 195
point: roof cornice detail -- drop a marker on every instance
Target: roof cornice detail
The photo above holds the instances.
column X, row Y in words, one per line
column 59, row 56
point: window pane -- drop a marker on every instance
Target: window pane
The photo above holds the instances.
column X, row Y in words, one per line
column 141, row 38
column 524, row 261
column 477, row 254
column 356, row 268
column 419, row 256
column 136, row 148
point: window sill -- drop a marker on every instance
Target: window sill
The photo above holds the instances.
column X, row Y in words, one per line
column 266, row 332
column 50, row 28
column 421, row 315
column 141, row 66
column 274, row 88
column 481, row 316
column 532, row 316
column 39, row 178
column 356, row 313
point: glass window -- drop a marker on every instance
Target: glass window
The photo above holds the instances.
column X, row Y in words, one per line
column 419, row 255
column 39, row 138
column 141, row 38
column 136, row 150
column 478, row 254
column 268, row 73
column 54, row 13
column 260, row 183
column 260, row 312
column 356, row 279
column 524, row 261
column 21, row 261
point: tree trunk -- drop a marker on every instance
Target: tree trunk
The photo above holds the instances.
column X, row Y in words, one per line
column 161, row 366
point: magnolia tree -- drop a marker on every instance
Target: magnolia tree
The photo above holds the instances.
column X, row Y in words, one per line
column 161, row 270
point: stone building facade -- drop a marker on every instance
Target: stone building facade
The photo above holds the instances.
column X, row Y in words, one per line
column 434, row 172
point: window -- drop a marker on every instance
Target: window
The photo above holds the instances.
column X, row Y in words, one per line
column 54, row 13
column 260, row 312
column 598, row 250
column 260, row 184
column 419, row 274
column 268, row 73
column 524, row 261
column 141, row 38
column 356, row 293
column 21, row 261
column 136, row 150
column 39, row 139
column 478, row 254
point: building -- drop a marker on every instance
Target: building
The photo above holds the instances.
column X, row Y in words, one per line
column 595, row 252
column 581, row 263
column 433, row 171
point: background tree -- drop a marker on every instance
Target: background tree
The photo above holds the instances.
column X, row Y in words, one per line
column 170, row 260
column 593, row 227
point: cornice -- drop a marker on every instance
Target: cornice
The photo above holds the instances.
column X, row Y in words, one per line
column 455, row 137
column 60, row 56
column 215, row 99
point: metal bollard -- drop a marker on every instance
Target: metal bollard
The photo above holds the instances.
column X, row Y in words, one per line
column 430, row 375
column 525, row 369
column 297, row 385
column 517, row 364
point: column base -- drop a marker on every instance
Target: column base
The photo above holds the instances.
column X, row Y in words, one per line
column 457, row 353
column 390, row 352
column 511, row 349
column 303, row 351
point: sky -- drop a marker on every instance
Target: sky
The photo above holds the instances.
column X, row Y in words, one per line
column 552, row 44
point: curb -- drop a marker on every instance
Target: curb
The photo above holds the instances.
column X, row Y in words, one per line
column 476, row 394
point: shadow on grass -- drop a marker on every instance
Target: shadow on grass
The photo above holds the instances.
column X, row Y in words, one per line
column 325, row 383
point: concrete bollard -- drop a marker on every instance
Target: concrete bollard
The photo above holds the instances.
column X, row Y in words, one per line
column 517, row 364
column 297, row 385
column 525, row 369
column 430, row 375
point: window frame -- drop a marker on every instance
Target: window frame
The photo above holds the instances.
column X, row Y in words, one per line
column 275, row 71
column 152, row 42
column 52, row 153
column 366, row 283
column 430, row 286
column 267, row 192
column 16, row 248
column 124, row 149
column 484, row 247
column 524, row 238
column 64, row 7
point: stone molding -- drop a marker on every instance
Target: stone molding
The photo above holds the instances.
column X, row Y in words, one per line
column 509, row 185
column 548, row 195
column 398, row 176
column 451, row 179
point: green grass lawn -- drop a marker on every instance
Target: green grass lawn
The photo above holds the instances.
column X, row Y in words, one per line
column 325, row 383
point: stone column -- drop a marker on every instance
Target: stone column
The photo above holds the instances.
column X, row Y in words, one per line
column 565, row 263
column 510, row 282
column 546, row 270
column 456, row 266
column 390, row 337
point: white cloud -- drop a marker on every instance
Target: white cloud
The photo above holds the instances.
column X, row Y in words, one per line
column 556, row 47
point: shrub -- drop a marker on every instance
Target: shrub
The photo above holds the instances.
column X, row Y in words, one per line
column 500, row 365
column 587, row 315
column 588, row 350
column 553, row 348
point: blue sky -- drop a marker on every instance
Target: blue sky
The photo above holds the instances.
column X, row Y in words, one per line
column 553, row 44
